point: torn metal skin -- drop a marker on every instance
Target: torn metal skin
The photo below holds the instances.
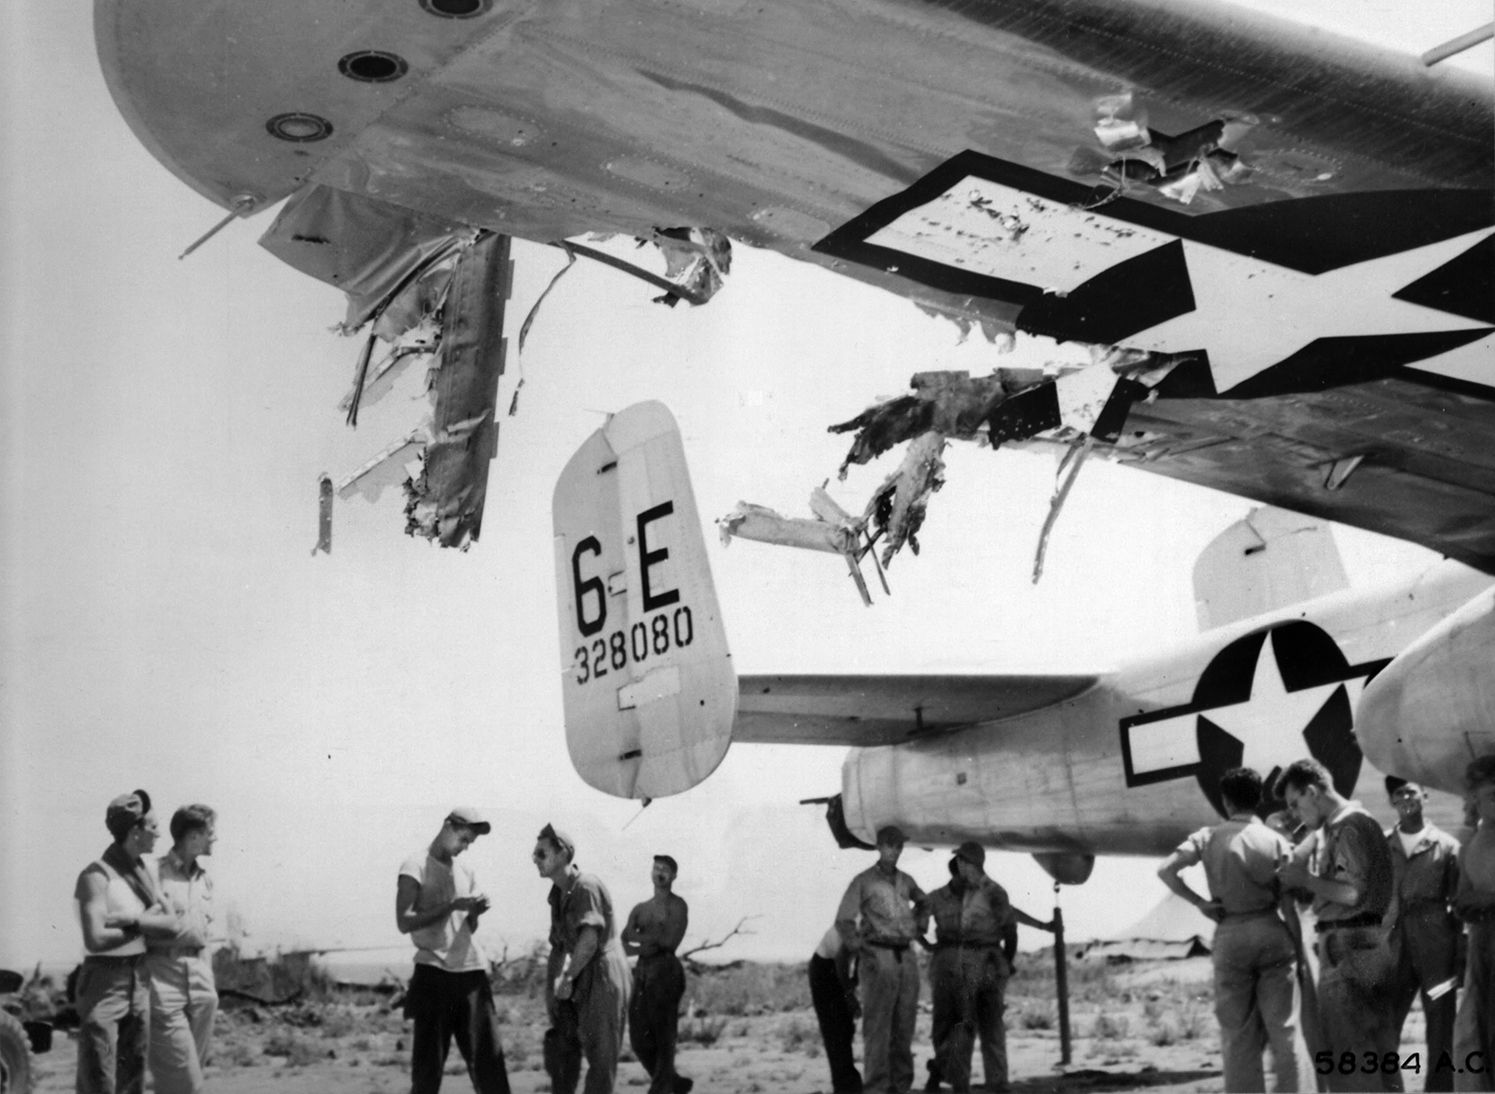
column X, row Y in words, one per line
column 435, row 291
column 1076, row 404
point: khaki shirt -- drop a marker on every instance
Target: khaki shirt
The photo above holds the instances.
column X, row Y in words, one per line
column 188, row 893
column 882, row 906
column 1240, row 857
column 1351, row 847
column 1425, row 879
column 976, row 916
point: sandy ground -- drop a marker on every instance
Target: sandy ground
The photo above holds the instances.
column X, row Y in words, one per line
column 1143, row 1027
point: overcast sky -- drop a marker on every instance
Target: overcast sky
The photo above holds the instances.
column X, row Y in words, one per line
column 166, row 626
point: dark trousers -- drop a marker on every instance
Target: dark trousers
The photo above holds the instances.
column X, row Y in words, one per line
column 837, row 1027
column 454, row 1005
column 1425, row 942
column 654, row 1017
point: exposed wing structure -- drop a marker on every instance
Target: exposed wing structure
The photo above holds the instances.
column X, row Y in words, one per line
column 1296, row 231
column 862, row 711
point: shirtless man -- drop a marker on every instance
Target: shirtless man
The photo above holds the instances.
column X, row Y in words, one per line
column 654, row 930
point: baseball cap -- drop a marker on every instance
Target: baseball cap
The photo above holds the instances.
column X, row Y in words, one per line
column 972, row 852
column 890, row 834
column 469, row 817
column 125, row 812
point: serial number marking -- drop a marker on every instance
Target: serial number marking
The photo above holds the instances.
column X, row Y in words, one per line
column 652, row 637
column 1327, row 1062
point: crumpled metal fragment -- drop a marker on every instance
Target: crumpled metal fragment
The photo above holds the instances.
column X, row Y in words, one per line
column 896, row 510
column 952, row 403
column 697, row 259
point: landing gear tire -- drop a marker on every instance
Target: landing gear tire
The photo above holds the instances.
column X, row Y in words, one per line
column 15, row 1056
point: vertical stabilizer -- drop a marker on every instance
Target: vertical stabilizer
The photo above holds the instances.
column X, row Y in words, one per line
column 647, row 680
column 1268, row 559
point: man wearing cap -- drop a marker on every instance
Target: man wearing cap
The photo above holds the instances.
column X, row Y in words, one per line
column 1345, row 866
column 1254, row 957
column 119, row 906
column 438, row 904
column 588, row 985
column 184, row 998
column 1423, row 932
column 883, row 912
column 654, row 930
column 976, row 941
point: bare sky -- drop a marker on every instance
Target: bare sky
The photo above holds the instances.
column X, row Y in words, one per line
column 166, row 626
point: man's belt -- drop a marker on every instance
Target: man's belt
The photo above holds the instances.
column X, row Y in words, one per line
column 1367, row 919
column 1271, row 910
column 887, row 945
column 175, row 951
column 954, row 945
column 114, row 960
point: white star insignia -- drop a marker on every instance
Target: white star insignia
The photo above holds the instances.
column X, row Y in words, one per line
column 1250, row 315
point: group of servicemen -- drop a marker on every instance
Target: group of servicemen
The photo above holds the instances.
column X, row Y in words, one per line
column 1394, row 915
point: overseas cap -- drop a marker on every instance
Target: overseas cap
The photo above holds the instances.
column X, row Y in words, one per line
column 972, row 852
column 890, row 834
column 560, row 839
column 469, row 817
column 125, row 812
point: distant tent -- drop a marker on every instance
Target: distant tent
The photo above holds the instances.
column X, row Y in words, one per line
column 1173, row 930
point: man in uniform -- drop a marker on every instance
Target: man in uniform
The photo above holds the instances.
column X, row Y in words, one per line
column 833, row 986
column 1256, row 988
column 587, row 982
column 1424, row 934
column 1474, row 903
column 881, row 915
column 975, row 945
column 1345, row 866
column 438, row 904
column 654, row 930
column 183, row 996
column 119, row 905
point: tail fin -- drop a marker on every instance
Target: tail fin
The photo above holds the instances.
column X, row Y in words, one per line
column 1268, row 559
column 649, row 690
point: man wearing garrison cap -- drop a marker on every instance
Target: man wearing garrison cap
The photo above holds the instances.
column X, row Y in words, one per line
column 883, row 912
column 654, row 930
column 119, row 905
column 438, row 904
column 1424, row 935
column 588, row 985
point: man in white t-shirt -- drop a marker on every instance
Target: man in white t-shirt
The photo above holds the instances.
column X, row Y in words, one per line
column 438, row 905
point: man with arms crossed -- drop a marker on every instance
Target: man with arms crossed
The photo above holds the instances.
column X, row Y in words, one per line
column 183, row 996
column 438, row 904
column 1256, row 988
column 1345, row 866
column 654, row 930
column 118, row 907
column 1424, row 934
column 883, row 912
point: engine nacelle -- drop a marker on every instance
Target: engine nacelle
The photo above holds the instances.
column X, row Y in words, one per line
column 1432, row 710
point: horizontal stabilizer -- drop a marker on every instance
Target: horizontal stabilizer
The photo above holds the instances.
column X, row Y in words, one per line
column 883, row 710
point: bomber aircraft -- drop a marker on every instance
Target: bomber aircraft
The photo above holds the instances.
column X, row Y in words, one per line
column 1278, row 242
column 1065, row 767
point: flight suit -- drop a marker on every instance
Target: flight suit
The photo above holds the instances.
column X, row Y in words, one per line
column 1424, row 937
column 968, row 979
column 590, row 1024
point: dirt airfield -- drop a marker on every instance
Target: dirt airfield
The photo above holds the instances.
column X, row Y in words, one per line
column 749, row 1030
